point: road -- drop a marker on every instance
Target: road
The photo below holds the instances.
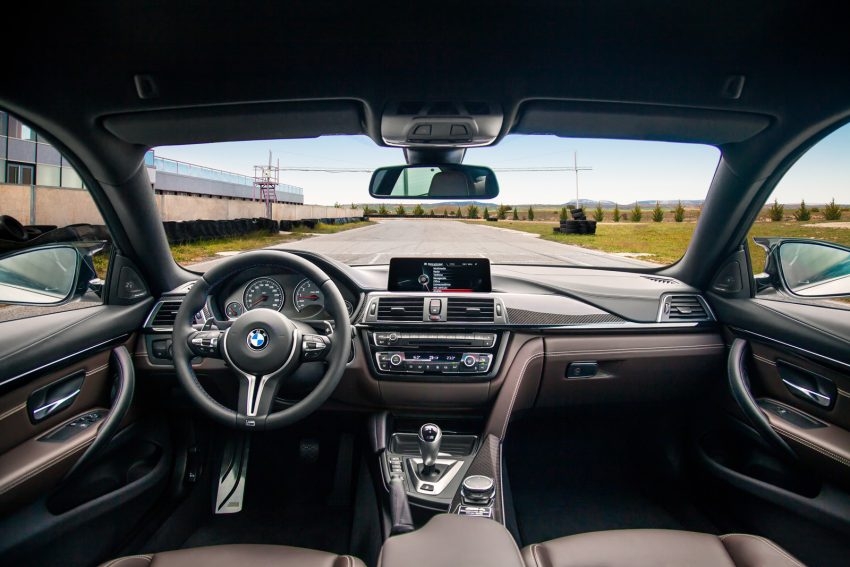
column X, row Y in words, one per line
column 378, row 243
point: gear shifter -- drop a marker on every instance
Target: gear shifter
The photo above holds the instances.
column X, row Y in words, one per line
column 430, row 437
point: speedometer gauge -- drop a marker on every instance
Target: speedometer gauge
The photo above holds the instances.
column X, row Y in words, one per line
column 263, row 292
column 307, row 295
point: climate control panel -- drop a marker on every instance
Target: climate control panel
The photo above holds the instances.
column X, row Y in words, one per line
column 434, row 362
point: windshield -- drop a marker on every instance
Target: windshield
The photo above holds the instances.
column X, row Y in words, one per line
column 572, row 202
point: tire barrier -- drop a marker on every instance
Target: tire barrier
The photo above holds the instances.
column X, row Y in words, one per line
column 16, row 236
column 184, row 232
column 576, row 227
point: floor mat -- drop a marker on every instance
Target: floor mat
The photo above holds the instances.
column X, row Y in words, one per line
column 287, row 501
column 582, row 474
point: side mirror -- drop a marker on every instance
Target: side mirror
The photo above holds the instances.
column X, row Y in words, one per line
column 48, row 275
column 808, row 268
column 424, row 182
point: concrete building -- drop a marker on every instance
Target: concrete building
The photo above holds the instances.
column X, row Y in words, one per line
column 26, row 159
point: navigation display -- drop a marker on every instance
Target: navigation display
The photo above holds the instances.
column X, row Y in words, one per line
column 440, row 275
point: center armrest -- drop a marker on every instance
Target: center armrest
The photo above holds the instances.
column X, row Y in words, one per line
column 451, row 540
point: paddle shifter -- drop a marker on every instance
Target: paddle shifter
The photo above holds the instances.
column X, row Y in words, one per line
column 430, row 437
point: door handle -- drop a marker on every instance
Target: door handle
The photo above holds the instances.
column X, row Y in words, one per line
column 55, row 397
column 54, row 406
column 806, row 394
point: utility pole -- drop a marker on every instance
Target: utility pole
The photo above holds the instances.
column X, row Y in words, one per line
column 576, row 168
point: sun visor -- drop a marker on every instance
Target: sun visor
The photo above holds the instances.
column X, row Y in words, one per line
column 637, row 122
column 220, row 123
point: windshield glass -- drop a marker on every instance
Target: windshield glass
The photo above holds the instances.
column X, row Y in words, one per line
column 562, row 201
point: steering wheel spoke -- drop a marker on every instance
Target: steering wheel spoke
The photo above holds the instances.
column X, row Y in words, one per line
column 206, row 343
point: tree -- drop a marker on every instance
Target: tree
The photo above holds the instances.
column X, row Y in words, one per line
column 418, row 211
column 459, row 213
column 657, row 213
column 367, row 210
column 679, row 213
column 382, row 210
column 530, row 213
column 598, row 213
column 832, row 211
column 803, row 213
column 564, row 215
column 472, row 212
column 637, row 214
column 446, row 213
column 486, row 214
column 616, row 212
column 515, row 215
column 433, row 214
column 502, row 212
column 400, row 211
column 777, row 211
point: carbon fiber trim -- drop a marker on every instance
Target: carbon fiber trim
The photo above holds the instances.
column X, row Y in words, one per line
column 526, row 317
column 487, row 462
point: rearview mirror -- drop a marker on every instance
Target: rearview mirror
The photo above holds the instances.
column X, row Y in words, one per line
column 429, row 182
column 44, row 276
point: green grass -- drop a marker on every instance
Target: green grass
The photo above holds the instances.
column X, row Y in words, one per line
column 667, row 241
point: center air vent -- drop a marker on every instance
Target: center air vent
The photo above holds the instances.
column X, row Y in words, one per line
column 165, row 314
column 400, row 309
column 470, row 310
column 684, row 308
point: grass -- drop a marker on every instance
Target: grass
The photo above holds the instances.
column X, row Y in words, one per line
column 666, row 242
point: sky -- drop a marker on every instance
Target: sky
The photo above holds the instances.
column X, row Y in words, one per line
column 622, row 170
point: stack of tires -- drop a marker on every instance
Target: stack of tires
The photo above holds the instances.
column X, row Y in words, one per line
column 577, row 225
column 184, row 232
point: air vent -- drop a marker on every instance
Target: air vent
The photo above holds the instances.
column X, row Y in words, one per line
column 684, row 308
column 470, row 309
column 658, row 279
column 400, row 309
column 165, row 314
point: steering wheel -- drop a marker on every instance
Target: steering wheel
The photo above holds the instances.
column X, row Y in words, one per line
column 263, row 346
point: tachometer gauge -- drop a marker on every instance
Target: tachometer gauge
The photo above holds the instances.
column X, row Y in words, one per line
column 233, row 310
column 307, row 295
column 349, row 307
column 263, row 292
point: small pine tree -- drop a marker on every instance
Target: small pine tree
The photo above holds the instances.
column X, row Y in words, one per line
column 472, row 212
column 515, row 215
column 637, row 214
column 459, row 213
column 832, row 211
column 433, row 214
column 616, row 212
column 486, row 213
column 803, row 213
column 446, row 213
column 530, row 213
column 502, row 212
column 382, row 210
column 400, row 211
column 564, row 214
column 657, row 213
column 418, row 211
column 679, row 213
column 598, row 213
column 777, row 211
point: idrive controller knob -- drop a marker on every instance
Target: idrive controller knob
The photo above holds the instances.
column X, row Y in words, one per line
column 477, row 490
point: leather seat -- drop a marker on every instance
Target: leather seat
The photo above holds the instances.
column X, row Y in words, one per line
column 657, row 548
column 238, row 556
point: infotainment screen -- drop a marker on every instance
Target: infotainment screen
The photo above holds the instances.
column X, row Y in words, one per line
column 439, row 274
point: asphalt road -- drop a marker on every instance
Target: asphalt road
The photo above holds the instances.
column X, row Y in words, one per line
column 378, row 243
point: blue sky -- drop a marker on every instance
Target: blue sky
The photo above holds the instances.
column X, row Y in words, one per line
column 623, row 171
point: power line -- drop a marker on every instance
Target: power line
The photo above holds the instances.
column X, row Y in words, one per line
column 543, row 169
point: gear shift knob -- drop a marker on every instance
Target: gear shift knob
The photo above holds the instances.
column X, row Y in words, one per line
column 430, row 437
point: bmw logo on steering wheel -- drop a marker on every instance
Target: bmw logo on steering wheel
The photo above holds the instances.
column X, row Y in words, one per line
column 258, row 339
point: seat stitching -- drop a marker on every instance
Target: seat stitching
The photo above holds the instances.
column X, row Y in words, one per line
column 815, row 447
column 534, row 547
column 775, row 547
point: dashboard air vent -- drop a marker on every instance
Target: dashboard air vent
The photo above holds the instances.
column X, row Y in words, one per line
column 658, row 279
column 470, row 309
column 400, row 309
column 684, row 308
column 165, row 314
